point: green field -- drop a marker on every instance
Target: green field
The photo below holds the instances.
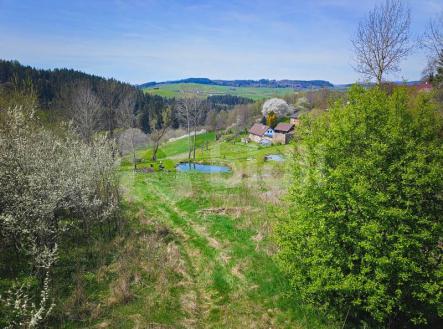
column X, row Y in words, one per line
column 255, row 93
column 199, row 249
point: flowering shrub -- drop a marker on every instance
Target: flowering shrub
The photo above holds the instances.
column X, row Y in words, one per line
column 49, row 184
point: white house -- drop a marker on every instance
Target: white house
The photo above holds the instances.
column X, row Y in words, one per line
column 258, row 132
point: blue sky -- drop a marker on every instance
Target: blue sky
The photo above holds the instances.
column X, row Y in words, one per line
column 138, row 41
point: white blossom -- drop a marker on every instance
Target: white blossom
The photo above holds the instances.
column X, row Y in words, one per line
column 278, row 106
column 49, row 184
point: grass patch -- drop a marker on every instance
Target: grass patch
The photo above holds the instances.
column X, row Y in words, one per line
column 197, row 249
column 255, row 93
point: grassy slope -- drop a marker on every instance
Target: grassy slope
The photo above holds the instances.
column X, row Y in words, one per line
column 198, row 253
column 173, row 90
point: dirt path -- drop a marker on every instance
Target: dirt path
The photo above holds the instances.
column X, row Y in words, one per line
column 230, row 281
column 204, row 253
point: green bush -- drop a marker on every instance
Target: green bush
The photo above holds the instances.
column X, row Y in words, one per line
column 363, row 238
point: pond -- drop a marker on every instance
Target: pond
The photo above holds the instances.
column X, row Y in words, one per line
column 274, row 157
column 204, row 168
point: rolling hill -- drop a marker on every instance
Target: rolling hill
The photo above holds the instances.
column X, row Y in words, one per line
column 254, row 89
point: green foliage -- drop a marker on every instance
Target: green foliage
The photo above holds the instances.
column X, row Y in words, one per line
column 437, row 79
column 364, row 233
column 271, row 119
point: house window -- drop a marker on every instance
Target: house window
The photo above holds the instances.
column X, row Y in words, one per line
column 269, row 132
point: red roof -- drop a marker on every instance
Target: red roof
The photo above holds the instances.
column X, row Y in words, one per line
column 258, row 129
column 425, row 86
column 284, row 127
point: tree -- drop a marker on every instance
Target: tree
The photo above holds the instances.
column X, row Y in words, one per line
column 221, row 123
column 18, row 93
column 211, row 120
column 190, row 109
column 126, row 118
column 437, row 81
column 53, row 92
column 197, row 114
column 438, row 78
column 278, row 106
column 363, row 236
column 115, row 97
column 86, row 109
column 303, row 104
column 432, row 42
column 241, row 117
column 158, row 130
column 244, row 116
column 382, row 40
column 271, row 119
column 184, row 107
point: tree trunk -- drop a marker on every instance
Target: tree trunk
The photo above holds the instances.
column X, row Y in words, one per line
column 110, row 123
column 154, row 152
column 379, row 77
column 134, row 158
column 195, row 137
column 189, row 141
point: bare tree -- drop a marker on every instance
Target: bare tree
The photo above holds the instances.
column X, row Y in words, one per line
column 196, row 114
column 222, row 122
column 244, row 116
column 211, row 120
column 159, row 129
column 184, row 106
column 382, row 40
column 115, row 96
column 190, row 109
column 126, row 119
column 86, row 112
column 432, row 42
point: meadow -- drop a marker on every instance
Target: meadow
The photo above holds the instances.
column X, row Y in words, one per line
column 204, row 90
column 199, row 249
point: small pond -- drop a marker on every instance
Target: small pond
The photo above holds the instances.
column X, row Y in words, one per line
column 204, row 168
column 274, row 157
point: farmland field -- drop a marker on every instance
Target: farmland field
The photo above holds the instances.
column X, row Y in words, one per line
column 255, row 93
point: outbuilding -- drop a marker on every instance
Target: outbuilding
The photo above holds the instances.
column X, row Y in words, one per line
column 295, row 119
column 283, row 133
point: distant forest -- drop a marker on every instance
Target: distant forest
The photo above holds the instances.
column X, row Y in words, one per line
column 62, row 93
column 57, row 92
column 262, row 83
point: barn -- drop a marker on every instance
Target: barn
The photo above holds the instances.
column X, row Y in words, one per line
column 283, row 133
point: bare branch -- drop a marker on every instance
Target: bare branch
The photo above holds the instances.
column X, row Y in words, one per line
column 382, row 40
column 86, row 115
column 159, row 129
column 190, row 110
column 432, row 42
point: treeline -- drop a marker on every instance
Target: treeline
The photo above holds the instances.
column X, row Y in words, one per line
column 225, row 102
column 262, row 83
column 62, row 93
column 94, row 103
